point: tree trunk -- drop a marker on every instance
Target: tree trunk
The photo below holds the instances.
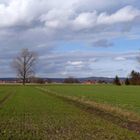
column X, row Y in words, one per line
column 24, row 81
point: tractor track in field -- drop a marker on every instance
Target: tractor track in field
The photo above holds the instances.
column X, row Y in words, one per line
column 113, row 118
column 5, row 98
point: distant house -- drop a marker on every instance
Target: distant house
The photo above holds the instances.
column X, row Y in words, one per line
column 89, row 82
column 2, row 82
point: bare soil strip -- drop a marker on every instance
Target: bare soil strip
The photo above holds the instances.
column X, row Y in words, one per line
column 114, row 118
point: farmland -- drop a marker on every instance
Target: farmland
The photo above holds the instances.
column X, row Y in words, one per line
column 36, row 112
column 126, row 97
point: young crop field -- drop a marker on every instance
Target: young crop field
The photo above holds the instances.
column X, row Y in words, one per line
column 45, row 113
column 126, row 97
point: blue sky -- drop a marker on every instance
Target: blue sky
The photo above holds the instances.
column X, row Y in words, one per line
column 73, row 38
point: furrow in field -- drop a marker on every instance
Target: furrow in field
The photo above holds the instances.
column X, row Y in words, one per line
column 35, row 115
column 122, row 121
column 5, row 98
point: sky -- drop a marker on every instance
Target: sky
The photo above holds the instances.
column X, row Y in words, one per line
column 79, row 38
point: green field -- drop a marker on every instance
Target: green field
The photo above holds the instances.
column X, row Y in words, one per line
column 28, row 113
column 126, row 97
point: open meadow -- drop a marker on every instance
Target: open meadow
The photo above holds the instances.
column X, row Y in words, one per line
column 69, row 112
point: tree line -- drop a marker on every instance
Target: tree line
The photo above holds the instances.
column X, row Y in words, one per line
column 133, row 79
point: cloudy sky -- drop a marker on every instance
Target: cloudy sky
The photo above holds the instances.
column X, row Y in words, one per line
column 77, row 38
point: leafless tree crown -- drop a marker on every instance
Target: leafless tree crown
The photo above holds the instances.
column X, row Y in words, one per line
column 24, row 64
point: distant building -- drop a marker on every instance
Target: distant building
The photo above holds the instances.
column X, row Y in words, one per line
column 89, row 82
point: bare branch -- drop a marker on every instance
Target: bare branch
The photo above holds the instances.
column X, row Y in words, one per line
column 24, row 64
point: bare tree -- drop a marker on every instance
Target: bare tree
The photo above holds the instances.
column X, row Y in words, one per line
column 24, row 64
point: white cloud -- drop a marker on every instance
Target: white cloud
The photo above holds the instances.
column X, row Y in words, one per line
column 89, row 64
column 75, row 63
column 85, row 20
column 120, row 58
column 57, row 14
column 11, row 14
column 57, row 18
column 125, row 14
column 91, row 19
